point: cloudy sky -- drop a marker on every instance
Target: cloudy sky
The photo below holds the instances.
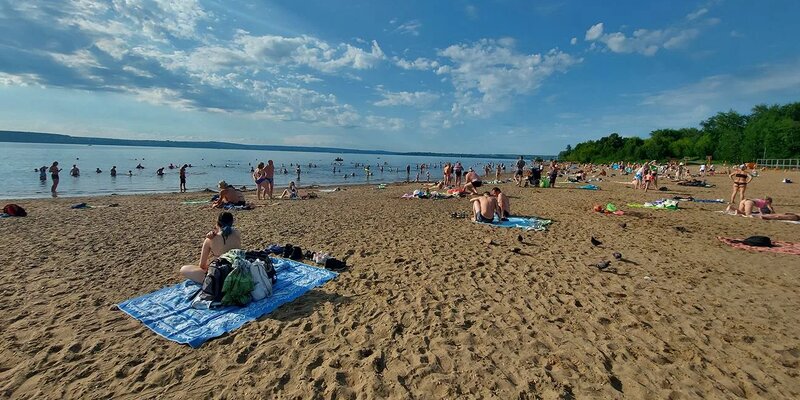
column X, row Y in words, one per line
column 489, row 76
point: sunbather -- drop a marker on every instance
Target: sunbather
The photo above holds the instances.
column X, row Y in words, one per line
column 780, row 217
column 219, row 240
column 746, row 207
column 484, row 208
column 290, row 192
column 228, row 195
column 503, row 204
column 473, row 182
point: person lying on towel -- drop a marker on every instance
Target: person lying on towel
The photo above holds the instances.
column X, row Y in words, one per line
column 217, row 242
column 484, row 208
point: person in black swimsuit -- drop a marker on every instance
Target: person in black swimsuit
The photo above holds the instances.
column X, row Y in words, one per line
column 54, row 170
column 740, row 179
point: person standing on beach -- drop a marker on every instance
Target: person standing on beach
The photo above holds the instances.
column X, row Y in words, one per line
column 553, row 173
column 408, row 173
column 258, row 178
column 269, row 175
column 54, row 170
column 182, row 175
column 459, row 170
column 520, row 167
column 497, row 172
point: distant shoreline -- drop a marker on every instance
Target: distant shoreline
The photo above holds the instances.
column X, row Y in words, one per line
column 54, row 138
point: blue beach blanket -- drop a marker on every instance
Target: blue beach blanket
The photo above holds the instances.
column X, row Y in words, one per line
column 168, row 312
column 589, row 187
column 526, row 223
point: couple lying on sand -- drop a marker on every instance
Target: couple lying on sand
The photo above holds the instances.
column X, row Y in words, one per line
column 490, row 203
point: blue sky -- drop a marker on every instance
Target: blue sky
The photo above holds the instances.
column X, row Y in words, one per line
column 467, row 76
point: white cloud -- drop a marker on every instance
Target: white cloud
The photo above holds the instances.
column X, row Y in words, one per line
column 418, row 64
column 642, row 41
column 434, row 121
column 409, row 28
column 415, row 99
column 697, row 14
column 489, row 73
column 594, row 32
column 19, row 79
column 722, row 89
column 573, row 41
column 80, row 59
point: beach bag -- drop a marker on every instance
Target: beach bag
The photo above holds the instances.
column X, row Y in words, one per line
column 211, row 293
column 544, row 183
column 758, row 241
column 238, row 287
column 14, row 210
column 297, row 254
column 262, row 281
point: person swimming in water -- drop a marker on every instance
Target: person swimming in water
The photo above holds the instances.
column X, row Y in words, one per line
column 160, row 171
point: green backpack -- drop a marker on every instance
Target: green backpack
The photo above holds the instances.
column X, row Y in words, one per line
column 238, row 285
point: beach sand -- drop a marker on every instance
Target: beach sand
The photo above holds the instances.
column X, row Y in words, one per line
column 428, row 309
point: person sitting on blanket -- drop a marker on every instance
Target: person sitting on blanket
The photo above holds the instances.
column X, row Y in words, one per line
column 503, row 204
column 473, row 182
column 484, row 208
column 228, row 195
column 217, row 242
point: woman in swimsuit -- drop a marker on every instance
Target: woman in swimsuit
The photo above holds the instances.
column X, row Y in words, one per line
column 259, row 178
column 458, row 169
column 291, row 192
column 762, row 206
column 217, row 242
column 740, row 180
column 54, row 170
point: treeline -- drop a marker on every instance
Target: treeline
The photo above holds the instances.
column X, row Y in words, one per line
column 728, row 136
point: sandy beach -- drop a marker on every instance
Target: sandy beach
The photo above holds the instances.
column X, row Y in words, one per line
column 429, row 308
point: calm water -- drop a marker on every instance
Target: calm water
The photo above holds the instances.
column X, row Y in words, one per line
column 19, row 160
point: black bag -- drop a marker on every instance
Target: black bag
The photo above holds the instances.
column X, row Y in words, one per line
column 211, row 291
column 335, row 265
column 287, row 250
column 297, row 254
column 15, row 210
column 758, row 241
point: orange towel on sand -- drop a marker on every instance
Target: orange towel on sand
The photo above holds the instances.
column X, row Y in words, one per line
column 777, row 246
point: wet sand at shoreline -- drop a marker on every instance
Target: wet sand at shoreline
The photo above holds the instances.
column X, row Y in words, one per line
column 428, row 308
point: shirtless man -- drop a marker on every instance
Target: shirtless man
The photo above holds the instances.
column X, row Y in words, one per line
column 269, row 175
column 473, row 182
column 503, row 204
column 484, row 208
column 228, row 195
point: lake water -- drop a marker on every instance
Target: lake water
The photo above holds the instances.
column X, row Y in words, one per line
column 19, row 160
